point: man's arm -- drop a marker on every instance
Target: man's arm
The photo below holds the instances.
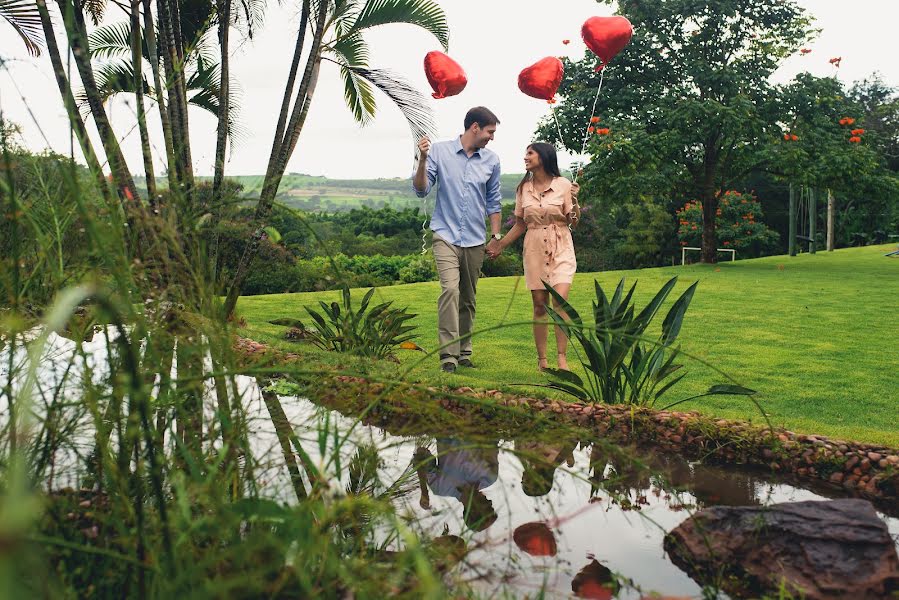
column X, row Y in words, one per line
column 426, row 173
column 494, row 210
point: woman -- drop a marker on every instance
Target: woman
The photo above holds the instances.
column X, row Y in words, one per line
column 545, row 205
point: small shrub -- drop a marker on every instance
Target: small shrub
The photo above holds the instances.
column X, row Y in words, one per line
column 620, row 367
column 374, row 332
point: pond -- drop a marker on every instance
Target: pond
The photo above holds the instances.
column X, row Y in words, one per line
column 565, row 514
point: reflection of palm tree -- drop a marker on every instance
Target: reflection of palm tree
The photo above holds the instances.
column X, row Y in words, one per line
column 460, row 470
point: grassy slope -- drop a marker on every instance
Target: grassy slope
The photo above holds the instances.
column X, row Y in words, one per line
column 817, row 336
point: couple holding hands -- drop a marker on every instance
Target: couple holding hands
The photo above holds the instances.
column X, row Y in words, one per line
column 467, row 176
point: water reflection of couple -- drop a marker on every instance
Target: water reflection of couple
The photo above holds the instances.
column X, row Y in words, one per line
column 468, row 179
column 462, row 470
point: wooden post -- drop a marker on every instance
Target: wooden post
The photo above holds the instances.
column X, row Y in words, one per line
column 812, row 220
column 792, row 235
column 831, row 208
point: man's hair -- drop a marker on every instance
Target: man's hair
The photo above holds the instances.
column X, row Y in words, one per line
column 481, row 115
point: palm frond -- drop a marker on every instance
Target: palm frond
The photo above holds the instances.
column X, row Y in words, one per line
column 204, row 85
column 360, row 97
column 427, row 14
column 24, row 17
column 114, row 41
column 412, row 103
column 115, row 77
column 351, row 50
column 250, row 16
column 95, row 9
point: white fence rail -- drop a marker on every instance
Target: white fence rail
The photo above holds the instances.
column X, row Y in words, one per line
column 683, row 253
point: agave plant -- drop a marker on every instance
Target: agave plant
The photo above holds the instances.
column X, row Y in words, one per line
column 374, row 332
column 621, row 366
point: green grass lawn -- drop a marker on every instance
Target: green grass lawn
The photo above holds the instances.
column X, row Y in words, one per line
column 816, row 335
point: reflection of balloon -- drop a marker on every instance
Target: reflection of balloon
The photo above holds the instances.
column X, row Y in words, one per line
column 444, row 74
column 606, row 36
column 542, row 79
column 536, row 539
column 594, row 581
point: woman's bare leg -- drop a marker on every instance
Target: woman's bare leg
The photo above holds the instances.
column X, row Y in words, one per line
column 540, row 298
column 561, row 338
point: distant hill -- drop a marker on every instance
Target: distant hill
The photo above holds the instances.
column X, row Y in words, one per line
column 320, row 194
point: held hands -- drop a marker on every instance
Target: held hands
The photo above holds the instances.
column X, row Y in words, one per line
column 494, row 248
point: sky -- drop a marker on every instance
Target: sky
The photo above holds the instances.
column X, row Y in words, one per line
column 492, row 39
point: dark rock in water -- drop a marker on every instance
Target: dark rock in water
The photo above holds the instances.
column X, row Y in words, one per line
column 832, row 549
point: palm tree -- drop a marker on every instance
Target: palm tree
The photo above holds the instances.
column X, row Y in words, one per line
column 338, row 37
column 25, row 19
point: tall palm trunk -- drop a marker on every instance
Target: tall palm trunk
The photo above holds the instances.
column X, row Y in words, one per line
column 76, row 30
column 282, row 148
column 136, row 56
column 224, row 10
column 68, row 100
column 173, row 64
column 150, row 28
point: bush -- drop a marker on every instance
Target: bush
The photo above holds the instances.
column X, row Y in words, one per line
column 738, row 224
column 374, row 332
column 420, row 267
column 503, row 265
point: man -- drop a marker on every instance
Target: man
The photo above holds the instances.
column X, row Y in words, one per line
column 468, row 191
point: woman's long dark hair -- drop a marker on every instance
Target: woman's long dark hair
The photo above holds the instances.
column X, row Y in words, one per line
column 548, row 158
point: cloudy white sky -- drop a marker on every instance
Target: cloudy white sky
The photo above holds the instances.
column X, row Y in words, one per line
column 492, row 39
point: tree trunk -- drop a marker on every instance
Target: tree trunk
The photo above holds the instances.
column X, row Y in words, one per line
column 136, row 57
column 73, row 18
column 68, row 99
column 709, row 202
column 150, row 28
column 281, row 152
column 831, row 213
column 174, row 75
column 224, row 9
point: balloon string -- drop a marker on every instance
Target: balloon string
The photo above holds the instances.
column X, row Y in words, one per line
column 558, row 127
column 602, row 75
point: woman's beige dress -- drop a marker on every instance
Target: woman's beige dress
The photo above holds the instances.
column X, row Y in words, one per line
column 548, row 248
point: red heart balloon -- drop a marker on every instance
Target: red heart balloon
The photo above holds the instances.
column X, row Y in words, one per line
column 542, row 79
column 444, row 74
column 606, row 36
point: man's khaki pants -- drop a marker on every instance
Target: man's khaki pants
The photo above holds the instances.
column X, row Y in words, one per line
column 458, row 270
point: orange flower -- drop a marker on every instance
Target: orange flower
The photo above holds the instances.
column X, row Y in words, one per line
column 855, row 139
column 551, row 101
column 589, row 130
column 594, row 119
column 857, row 131
column 850, row 121
column 844, row 120
column 805, row 50
column 603, row 131
column 566, row 42
column 794, row 137
column 726, row 243
column 836, row 61
column 786, row 137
